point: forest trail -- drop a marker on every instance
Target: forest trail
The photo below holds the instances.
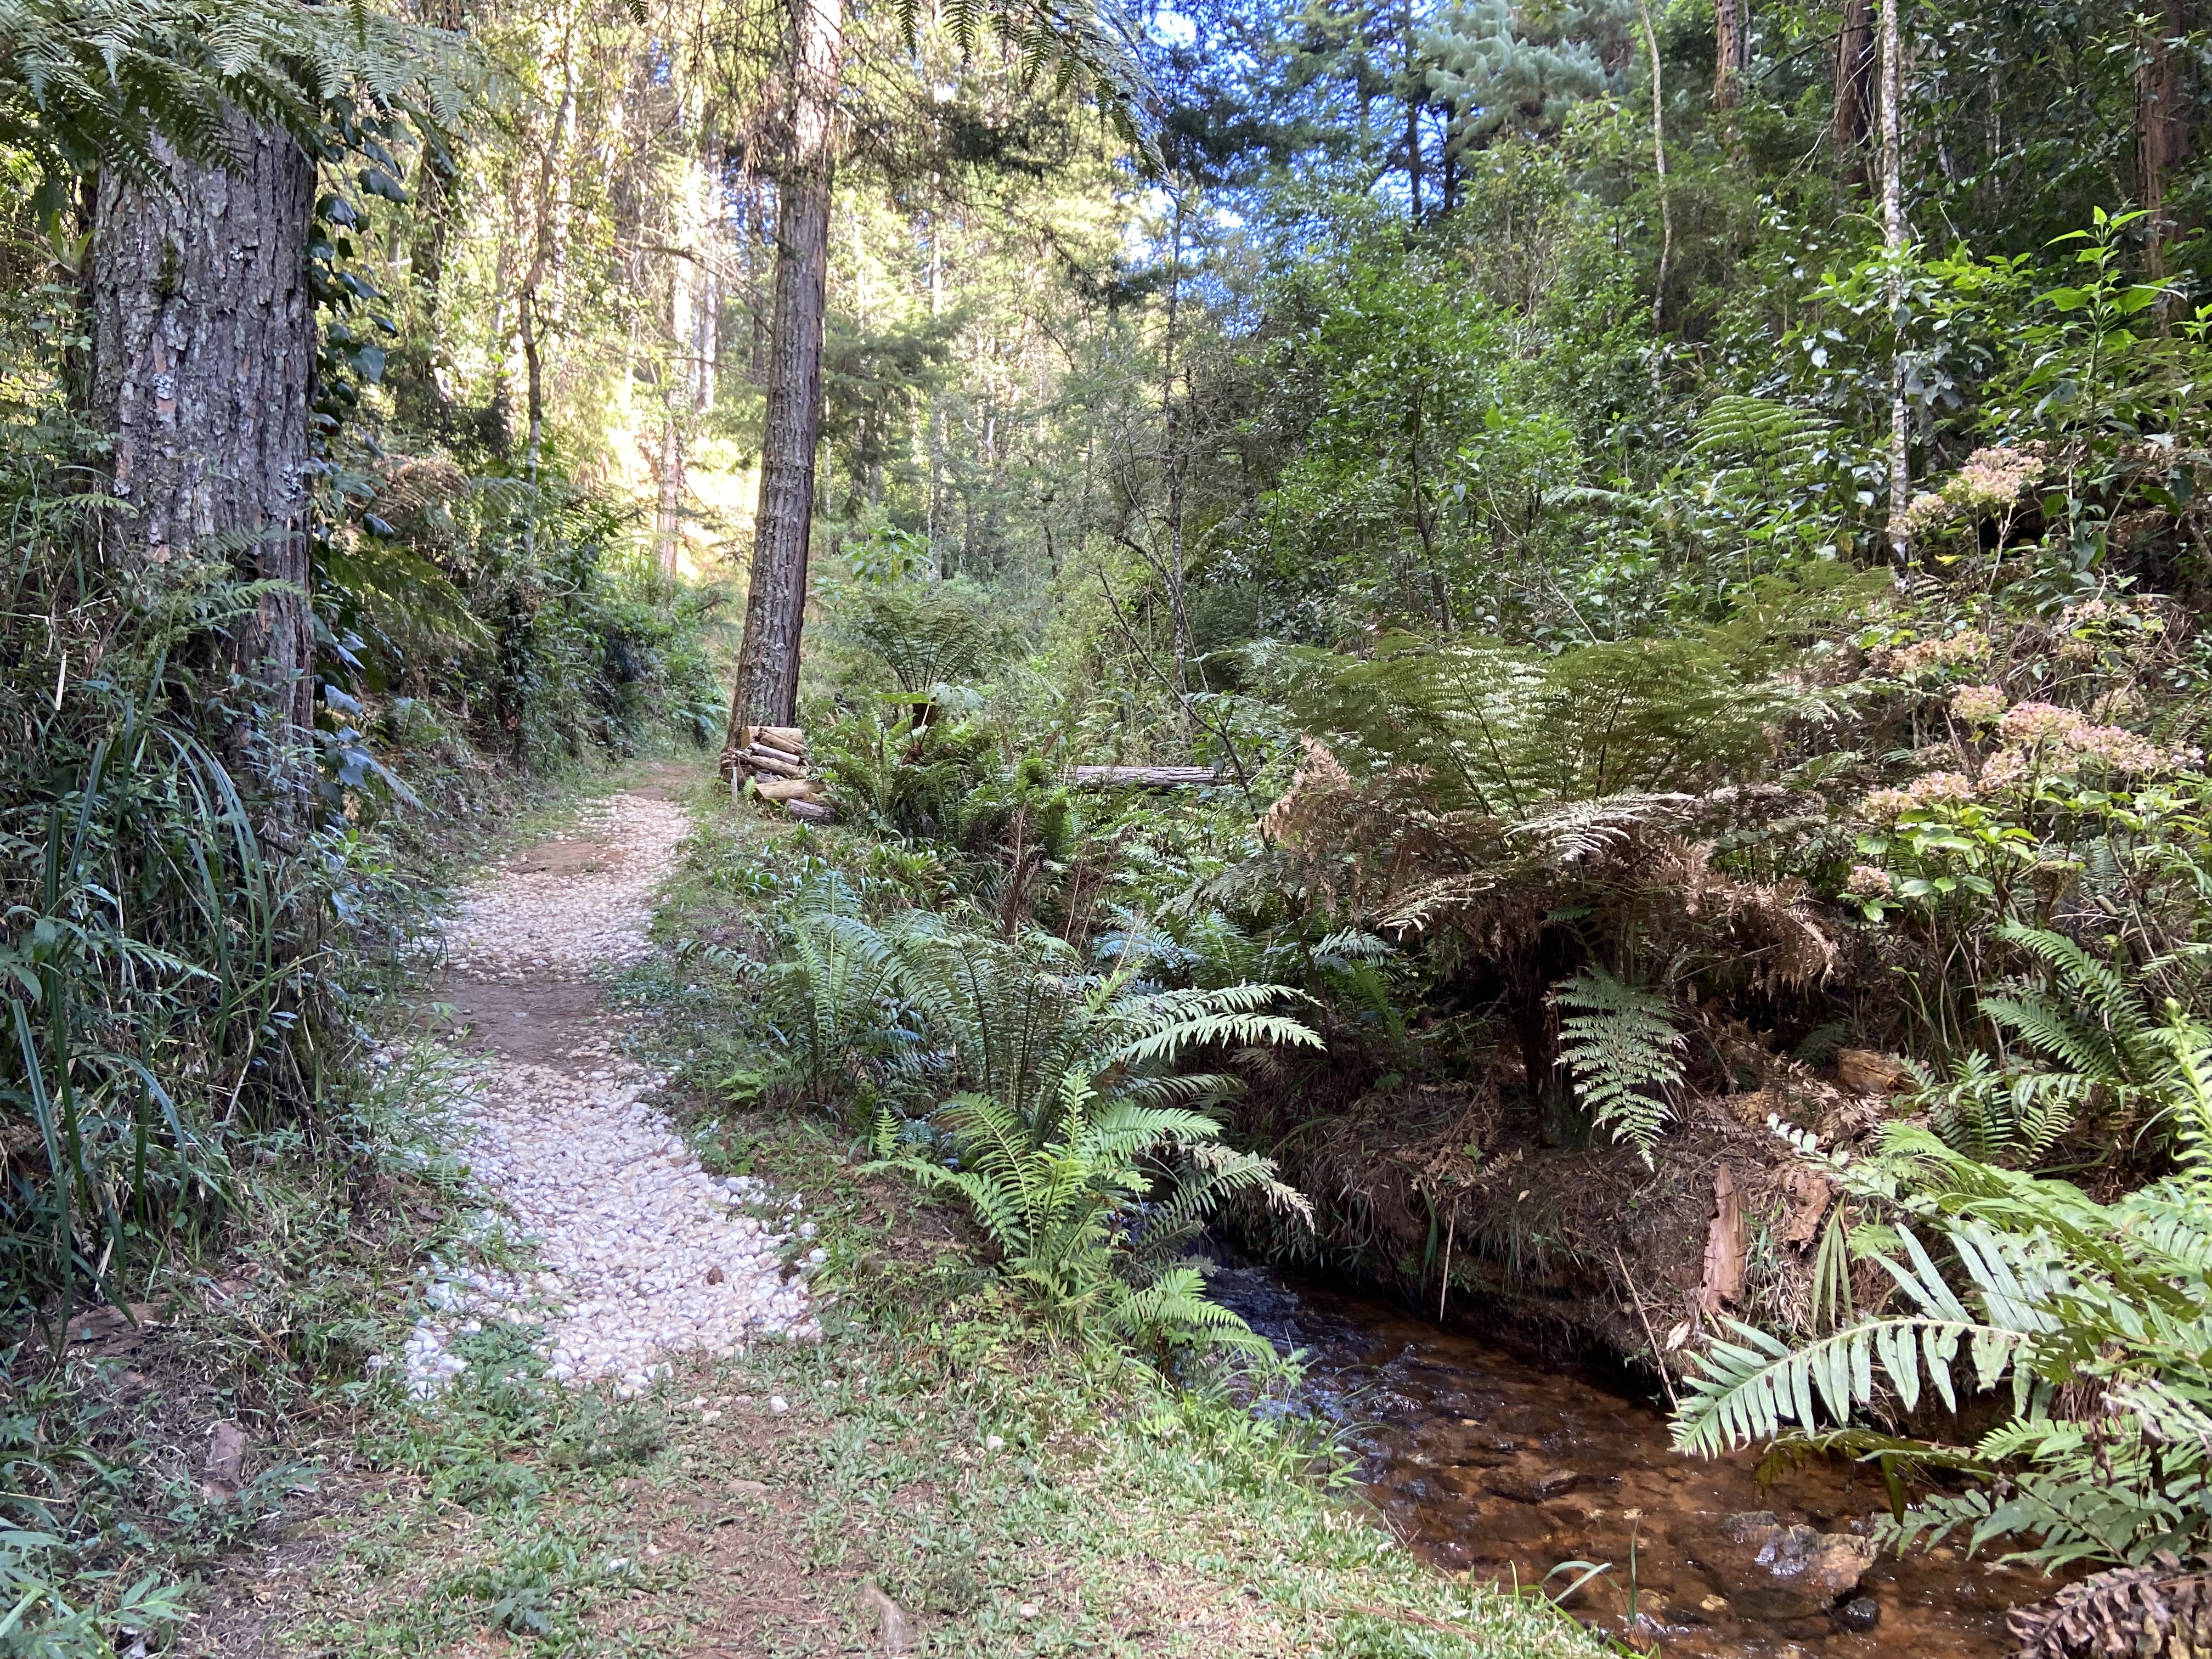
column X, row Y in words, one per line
column 640, row 1258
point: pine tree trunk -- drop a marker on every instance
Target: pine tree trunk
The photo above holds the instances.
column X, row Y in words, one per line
column 767, row 691
column 1855, row 68
column 1893, row 241
column 203, row 359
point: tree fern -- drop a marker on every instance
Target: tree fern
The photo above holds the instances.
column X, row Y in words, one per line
column 1622, row 1050
column 87, row 84
column 1736, row 426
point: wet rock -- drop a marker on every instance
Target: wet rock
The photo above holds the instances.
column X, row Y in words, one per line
column 1861, row 1614
column 1524, row 1484
column 1512, row 1524
column 1770, row 1571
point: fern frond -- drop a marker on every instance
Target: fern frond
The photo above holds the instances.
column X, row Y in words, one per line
column 1621, row 1049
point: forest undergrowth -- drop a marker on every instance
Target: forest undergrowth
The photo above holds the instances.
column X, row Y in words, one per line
column 1663, row 548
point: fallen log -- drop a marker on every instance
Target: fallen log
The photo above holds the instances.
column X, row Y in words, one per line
column 761, row 760
column 783, row 738
column 1144, row 777
column 786, row 789
column 808, row 811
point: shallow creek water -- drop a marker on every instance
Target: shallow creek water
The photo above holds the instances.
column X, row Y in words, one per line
column 1491, row 1460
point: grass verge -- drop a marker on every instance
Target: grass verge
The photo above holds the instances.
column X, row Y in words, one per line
column 1005, row 1493
column 937, row 1473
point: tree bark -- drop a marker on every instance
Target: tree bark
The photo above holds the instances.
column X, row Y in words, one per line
column 203, row 361
column 1893, row 242
column 1854, row 74
column 1731, row 46
column 2161, row 127
column 767, row 692
column 1659, row 168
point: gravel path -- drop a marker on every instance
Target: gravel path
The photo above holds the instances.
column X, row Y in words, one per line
column 640, row 1252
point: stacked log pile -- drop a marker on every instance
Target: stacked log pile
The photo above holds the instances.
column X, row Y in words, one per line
column 774, row 760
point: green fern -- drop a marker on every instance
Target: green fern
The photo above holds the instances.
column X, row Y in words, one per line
column 928, row 634
column 2035, row 1284
column 1070, row 1130
column 2091, row 1020
column 121, row 84
column 1621, row 1049
column 1759, row 430
column 1996, row 1115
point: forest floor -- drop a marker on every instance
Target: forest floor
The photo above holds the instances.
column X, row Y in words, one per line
column 854, row 1445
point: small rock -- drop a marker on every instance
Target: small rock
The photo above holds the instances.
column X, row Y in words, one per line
column 1028, row 1610
column 226, row 1458
column 1527, row 1485
column 888, row 1617
column 1861, row 1614
column 713, row 1275
column 1769, row 1571
column 778, row 1405
column 994, row 1442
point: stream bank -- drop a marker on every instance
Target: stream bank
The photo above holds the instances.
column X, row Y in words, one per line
column 1498, row 1462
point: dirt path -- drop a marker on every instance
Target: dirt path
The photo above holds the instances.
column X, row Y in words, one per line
column 641, row 1255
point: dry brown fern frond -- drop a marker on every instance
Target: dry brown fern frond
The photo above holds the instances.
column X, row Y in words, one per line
column 2155, row 1609
column 1770, row 924
column 408, row 483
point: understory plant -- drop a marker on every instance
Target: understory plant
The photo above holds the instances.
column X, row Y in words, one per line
column 2094, row 1318
column 1049, row 1096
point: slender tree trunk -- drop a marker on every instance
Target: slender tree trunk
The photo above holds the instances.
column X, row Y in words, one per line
column 1174, row 415
column 2161, row 127
column 433, row 180
column 668, row 512
column 1416, row 95
column 1659, row 166
column 202, row 362
column 767, row 691
column 1893, row 242
column 1854, row 78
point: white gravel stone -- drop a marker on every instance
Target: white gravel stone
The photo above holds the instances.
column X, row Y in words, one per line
column 637, row 1254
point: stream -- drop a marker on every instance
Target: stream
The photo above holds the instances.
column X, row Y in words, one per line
column 1490, row 1460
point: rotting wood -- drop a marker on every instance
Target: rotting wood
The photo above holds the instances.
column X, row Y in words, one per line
column 1810, row 1195
column 784, row 739
column 1144, row 777
column 786, row 789
column 1867, row 1072
column 1724, row 1247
